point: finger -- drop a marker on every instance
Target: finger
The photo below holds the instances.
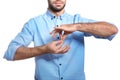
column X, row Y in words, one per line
column 58, row 28
column 53, row 33
column 65, row 49
column 58, row 42
column 62, row 37
column 59, row 46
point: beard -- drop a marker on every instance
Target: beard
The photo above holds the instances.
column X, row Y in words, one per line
column 55, row 9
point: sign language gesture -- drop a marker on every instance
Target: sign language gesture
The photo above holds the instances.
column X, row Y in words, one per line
column 55, row 47
column 64, row 30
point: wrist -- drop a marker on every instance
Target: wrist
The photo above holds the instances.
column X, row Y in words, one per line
column 45, row 49
column 81, row 27
column 42, row 49
column 77, row 26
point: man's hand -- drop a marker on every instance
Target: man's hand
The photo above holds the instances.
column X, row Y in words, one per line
column 56, row 47
column 64, row 30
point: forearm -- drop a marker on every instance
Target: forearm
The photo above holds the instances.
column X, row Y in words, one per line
column 25, row 52
column 102, row 29
column 54, row 47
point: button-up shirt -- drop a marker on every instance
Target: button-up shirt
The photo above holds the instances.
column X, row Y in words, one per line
column 68, row 66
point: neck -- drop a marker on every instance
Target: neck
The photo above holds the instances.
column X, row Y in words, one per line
column 57, row 13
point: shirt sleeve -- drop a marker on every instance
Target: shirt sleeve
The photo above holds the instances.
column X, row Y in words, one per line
column 22, row 39
column 78, row 18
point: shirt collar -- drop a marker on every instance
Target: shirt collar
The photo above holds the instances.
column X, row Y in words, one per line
column 52, row 16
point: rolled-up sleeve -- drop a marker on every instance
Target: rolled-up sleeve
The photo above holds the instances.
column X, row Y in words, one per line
column 22, row 39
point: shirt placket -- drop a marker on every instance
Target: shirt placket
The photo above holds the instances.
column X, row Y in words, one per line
column 58, row 22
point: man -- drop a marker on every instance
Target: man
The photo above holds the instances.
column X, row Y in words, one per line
column 58, row 56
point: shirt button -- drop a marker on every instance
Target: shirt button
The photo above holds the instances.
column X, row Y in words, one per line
column 60, row 64
column 61, row 78
column 58, row 37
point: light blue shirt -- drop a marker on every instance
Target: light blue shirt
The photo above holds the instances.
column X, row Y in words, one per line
column 68, row 66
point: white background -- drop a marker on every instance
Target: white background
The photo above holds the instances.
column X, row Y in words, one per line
column 102, row 57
